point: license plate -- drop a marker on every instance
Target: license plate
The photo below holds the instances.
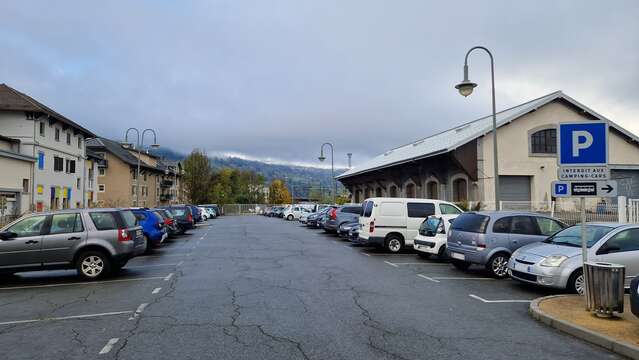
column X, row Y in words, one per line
column 457, row 256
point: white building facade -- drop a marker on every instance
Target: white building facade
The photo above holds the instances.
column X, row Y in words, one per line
column 56, row 143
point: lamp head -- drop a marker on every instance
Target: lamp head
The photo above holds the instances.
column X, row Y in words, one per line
column 322, row 158
column 155, row 146
column 127, row 145
column 465, row 87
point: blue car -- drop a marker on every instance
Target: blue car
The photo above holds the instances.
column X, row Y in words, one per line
column 153, row 227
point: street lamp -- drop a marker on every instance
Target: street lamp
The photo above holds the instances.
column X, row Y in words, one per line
column 466, row 88
column 138, row 146
column 322, row 158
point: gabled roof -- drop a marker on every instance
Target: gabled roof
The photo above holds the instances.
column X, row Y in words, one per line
column 12, row 99
column 451, row 139
column 117, row 150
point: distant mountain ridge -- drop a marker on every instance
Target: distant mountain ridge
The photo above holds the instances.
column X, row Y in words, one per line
column 301, row 177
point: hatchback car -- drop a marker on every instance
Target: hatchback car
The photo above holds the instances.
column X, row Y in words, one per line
column 152, row 226
column 488, row 238
column 340, row 215
column 556, row 262
column 183, row 217
column 96, row 242
column 169, row 221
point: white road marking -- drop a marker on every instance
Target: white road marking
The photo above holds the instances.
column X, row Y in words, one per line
column 180, row 263
column 156, row 290
column 139, row 310
column 365, row 254
column 150, row 265
column 107, row 348
column 390, row 263
column 168, row 277
column 428, row 278
column 461, row 278
column 420, row 263
column 81, row 283
column 202, row 238
column 497, row 301
column 66, row 317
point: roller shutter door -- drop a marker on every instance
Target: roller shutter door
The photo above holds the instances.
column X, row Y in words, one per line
column 514, row 188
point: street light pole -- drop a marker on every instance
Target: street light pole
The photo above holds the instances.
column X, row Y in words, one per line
column 138, row 145
column 322, row 158
column 466, row 88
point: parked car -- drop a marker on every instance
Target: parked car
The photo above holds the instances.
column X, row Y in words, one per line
column 96, row 242
column 169, row 221
column 393, row 223
column 197, row 214
column 293, row 212
column 183, row 217
column 353, row 233
column 345, row 228
column 313, row 218
column 340, row 215
column 556, row 262
column 152, row 227
column 304, row 217
column 488, row 238
column 433, row 235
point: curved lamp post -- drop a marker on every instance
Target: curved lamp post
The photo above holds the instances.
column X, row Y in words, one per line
column 322, row 158
column 138, row 146
column 466, row 88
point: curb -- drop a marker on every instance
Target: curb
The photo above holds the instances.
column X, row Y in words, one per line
column 616, row 346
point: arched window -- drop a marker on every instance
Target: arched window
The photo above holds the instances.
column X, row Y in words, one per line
column 358, row 196
column 544, row 142
column 410, row 190
column 378, row 192
column 393, row 191
column 460, row 190
column 367, row 193
column 432, row 190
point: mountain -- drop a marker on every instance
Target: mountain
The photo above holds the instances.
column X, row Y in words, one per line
column 302, row 178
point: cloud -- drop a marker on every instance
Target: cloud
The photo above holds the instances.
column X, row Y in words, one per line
column 274, row 80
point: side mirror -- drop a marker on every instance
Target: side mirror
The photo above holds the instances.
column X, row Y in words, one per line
column 6, row 235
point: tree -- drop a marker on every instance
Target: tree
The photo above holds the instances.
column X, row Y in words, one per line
column 197, row 177
column 278, row 193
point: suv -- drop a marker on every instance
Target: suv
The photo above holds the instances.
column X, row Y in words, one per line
column 489, row 237
column 96, row 242
column 343, row 214
column 393, row 223
column 152, row 226
column 183, row 216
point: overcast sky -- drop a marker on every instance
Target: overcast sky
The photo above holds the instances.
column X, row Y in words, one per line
column 275, row 79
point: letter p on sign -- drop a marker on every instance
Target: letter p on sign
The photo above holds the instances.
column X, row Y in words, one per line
column 583, row 144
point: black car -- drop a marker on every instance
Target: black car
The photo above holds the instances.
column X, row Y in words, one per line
column 183, row 216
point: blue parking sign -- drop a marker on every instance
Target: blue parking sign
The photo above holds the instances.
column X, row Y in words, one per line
column 560, row 189
column 584, row 144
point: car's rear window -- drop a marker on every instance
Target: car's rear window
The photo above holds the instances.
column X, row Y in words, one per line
column 368, row 208
column 179, row 211
column 104, row 220
column 128, row 218
column 471, row 222
column 352, row 209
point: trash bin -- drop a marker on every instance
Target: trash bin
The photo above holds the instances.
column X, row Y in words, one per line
column 634, row 296
column 605, row 287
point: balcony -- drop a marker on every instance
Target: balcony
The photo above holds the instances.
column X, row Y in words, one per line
column 166, row 197
column 166, row 183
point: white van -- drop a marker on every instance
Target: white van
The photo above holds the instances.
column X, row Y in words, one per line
column 393, row 223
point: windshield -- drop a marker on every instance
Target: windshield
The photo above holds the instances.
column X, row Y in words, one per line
column 572, row 235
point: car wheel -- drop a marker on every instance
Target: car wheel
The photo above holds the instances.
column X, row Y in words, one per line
column 442, row 253
column 498, row 265
column 576, row 282
column 423, row 255
column 461, row 265
column 394, row 244
column 92, row 265
column 289, row 218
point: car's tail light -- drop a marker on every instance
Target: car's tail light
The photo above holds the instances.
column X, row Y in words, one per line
column 124, row 235
column 189, row 217
column 371, row 227
column 159, row 225
column 333, row 214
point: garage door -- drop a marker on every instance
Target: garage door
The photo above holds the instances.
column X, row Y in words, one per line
column 514, row 188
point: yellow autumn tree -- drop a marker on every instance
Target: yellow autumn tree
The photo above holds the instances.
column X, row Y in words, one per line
column 278, row 193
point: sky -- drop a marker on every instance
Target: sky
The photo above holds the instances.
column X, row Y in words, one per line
column 276, row 79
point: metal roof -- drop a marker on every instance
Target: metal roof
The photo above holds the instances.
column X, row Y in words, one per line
column 451, row 139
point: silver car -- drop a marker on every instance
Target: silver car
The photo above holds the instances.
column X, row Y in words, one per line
column 488, row 238
column 556, row 262
column 96, row 242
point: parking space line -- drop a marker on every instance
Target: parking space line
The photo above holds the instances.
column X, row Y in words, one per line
column 420, row 263
column 139, row 311
column 363, row 253
column 80, row 283
column 461, row 278
column 150, row 265
column 156, row 290
column 390, row 263
column 168, row 277
column 66, row 317
column 180, row 263
column 109, row 345
column 428, row 278
column 497, row 301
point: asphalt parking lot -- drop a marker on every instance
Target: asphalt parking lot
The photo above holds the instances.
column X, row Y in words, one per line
column 262, row 288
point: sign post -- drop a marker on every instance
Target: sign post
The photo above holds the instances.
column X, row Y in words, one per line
column 583, row 170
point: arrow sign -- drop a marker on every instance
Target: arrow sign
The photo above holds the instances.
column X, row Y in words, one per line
column 608, row 188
